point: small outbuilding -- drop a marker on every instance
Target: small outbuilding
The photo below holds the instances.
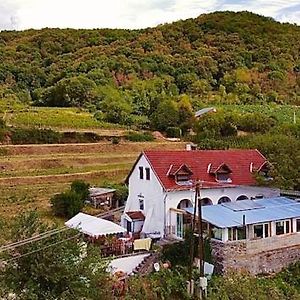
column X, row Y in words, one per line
column 101, row 197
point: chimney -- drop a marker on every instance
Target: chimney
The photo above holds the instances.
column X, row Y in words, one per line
column 188, row 147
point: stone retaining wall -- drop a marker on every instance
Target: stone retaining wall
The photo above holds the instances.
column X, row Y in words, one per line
column 256, row 256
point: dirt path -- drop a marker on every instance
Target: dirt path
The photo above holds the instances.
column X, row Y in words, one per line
column 60, row 178
column 105, row 147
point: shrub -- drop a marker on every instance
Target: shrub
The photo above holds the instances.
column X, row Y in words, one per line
column 81, row 188
column 115, row 140
column 256, row 122
column 67, row 204
column 173, row 132
column 71, row 202
column 139, row 137
column 2, row 123
column 34, row 136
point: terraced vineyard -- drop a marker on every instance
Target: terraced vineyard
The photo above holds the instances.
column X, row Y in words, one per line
column 30, row 175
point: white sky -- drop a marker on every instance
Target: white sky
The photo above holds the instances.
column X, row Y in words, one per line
column 24, row 14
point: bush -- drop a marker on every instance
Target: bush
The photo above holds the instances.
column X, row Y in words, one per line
column 67, row 204
column 179, row 253
column 115, row 140
column 81, row 188
column 173, row 132
column 139, row 137
column 35, row 136
column 71, row 202
column 2, row 124
column 256, row 122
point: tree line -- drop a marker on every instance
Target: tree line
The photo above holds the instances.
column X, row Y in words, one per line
column 130, row 76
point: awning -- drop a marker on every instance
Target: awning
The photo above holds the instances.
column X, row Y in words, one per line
column 94, row 226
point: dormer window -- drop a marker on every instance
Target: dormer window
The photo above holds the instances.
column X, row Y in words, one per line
column 183, row 177
column 222, row 173
column 223, row 177
column 264, row 172
column 181, row 174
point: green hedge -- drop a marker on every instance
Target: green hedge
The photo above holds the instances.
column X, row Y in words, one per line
column 139, row 137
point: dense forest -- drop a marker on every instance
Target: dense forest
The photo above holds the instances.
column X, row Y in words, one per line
column 134, row 76
column 156, row 78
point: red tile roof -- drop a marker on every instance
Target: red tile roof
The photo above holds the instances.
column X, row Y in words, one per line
column 135, row 215
column 200, row 162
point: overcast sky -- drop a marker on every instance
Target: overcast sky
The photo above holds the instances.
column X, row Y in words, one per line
column 24, row 14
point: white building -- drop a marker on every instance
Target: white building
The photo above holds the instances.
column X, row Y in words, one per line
column 162, row 184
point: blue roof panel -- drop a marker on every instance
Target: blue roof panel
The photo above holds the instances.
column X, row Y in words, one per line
column 271, row 209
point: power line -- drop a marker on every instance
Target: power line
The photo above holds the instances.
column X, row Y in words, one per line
column 47, row 234
column 40, row 249
column 35, row 238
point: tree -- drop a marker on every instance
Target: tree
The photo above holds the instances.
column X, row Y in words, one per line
column 52, row 268
column 165, row 116
column 114, row 105
column 75, row 91
column 71, row 202
column 185, row 113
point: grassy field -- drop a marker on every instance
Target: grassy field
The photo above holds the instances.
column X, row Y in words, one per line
column 18, row 114
column 283, row 113
column 32, row 174
column 70, row 119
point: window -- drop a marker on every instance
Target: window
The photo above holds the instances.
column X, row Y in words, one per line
column 279, row 228
column 266, row 227
column 261, row 231
column 298, row 225
column 236, row 233
column 147, row 173
column 141, row 172
column 182, row 177
column 216, row 233
column 223, row 177
column 282, row 227
column 141, row 204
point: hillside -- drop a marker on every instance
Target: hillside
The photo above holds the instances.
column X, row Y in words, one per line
column 131, row 76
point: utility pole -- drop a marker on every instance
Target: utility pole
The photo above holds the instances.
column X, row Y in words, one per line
column 192, row 242
column 203, row 281
column 200, row 235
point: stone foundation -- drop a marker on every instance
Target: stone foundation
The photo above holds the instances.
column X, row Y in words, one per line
column 256, row 256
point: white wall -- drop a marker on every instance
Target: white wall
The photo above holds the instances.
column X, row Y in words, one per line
column 215, row 194
column 157, row 203
column 153, row 198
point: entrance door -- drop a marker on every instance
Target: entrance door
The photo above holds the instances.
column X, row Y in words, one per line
column 179, row 227
column 128, row 226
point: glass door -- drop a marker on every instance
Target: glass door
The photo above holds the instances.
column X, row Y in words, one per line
column 179, row 227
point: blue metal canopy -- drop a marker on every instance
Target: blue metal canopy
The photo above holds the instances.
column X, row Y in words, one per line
column 255, row 211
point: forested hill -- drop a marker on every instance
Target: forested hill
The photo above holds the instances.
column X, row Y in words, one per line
column 222, row 57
